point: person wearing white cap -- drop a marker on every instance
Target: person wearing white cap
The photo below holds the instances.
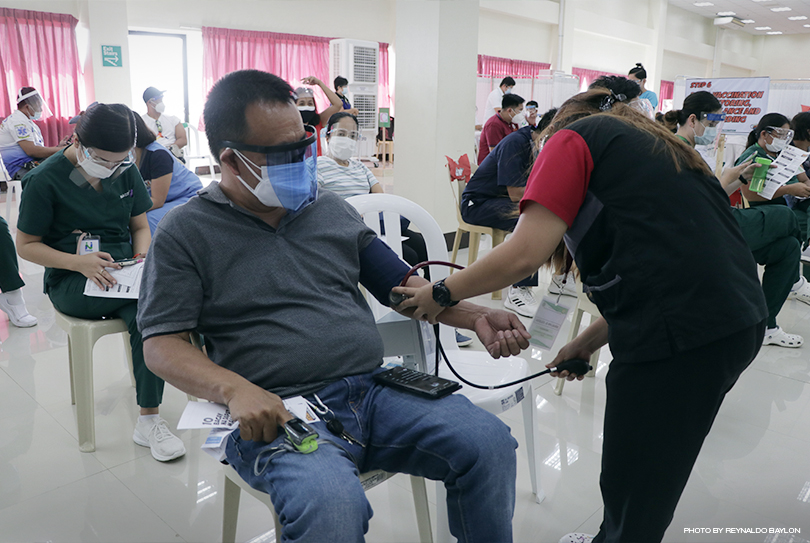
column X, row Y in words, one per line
column 169, row 130
column 305, row 102
column 21, row 143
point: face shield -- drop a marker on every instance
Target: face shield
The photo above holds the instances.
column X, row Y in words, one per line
column 288, row 177
column 712, row 128
column 37, row 106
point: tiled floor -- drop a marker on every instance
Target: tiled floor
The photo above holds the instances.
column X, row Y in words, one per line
column 754, row 471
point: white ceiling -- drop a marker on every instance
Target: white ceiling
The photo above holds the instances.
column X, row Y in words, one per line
column 759, row 11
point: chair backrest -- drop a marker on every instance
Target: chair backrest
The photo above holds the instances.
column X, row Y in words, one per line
column 392, row 207
column 194, row 141
column 4, row 176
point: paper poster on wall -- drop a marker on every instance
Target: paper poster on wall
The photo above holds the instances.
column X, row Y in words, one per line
column 744, row 99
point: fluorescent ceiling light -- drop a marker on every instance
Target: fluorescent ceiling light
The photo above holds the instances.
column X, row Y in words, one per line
column 781, row 9
column 703, row 4
column 725, row 13
column 797, row 18
column 762, row 28
column 773, row 33
column 807, row 26
column 748, row 21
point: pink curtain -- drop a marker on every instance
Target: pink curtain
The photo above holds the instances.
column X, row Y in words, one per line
column 665, row 92
column 39, row 50
column 586, row 77
column 289, row 56
column 502, row 67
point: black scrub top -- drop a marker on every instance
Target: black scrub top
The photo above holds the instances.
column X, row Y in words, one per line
column 57, row 200
column 658, row 249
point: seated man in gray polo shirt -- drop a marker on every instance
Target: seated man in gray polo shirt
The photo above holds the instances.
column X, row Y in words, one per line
column 267, row 270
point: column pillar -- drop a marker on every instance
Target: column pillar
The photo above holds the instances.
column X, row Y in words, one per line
column 437, row 59
column 108, row 22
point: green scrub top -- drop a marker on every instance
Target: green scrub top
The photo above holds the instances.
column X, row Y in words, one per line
column 758, row 152
column 57, row 201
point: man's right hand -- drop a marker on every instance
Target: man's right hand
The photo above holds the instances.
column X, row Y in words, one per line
column 800, row 190
column 259, row 413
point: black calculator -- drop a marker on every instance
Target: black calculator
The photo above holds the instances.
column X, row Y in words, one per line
column 417, row 382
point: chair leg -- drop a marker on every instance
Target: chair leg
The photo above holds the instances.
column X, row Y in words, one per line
column 475, row 241
column 528, row 427
column 420, row 503
column 128, row 353
column 497, row 238
column 70, row 367
column 558, row 388
column 594, row 361
column 456, row 245
column 230, row 510
column 81, row 353
column 443, row 534
column 277, row 524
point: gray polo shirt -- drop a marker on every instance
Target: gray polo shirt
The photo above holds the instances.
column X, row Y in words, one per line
column 281, row 307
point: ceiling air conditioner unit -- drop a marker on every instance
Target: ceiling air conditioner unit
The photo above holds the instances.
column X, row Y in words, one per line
column 729, row 22
column 358, row 62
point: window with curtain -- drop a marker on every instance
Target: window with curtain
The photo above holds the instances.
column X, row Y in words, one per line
column 289, row 56
column 39, row 50
column 502, row 67
column 665, row 93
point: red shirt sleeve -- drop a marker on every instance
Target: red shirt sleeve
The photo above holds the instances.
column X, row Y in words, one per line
column 560, row 176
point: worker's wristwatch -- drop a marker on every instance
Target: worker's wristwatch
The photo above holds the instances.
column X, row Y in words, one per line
column 441, row 294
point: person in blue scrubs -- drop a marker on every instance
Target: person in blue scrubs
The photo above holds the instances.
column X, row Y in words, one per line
column 639, row 75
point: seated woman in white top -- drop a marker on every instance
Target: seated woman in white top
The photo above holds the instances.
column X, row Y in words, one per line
column 337, row 171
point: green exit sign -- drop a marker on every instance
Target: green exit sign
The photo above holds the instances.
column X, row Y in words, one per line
column 111, row 56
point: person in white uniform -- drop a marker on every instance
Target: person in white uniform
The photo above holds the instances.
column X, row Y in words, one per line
column 169, row 130
column 496, row 96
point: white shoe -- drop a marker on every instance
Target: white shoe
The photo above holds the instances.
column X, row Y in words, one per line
column 556, row 286
column 156, row 435
column 577, row 538
column 17, row 313
column 802, row 292
column 782, row 339
column 521, row 300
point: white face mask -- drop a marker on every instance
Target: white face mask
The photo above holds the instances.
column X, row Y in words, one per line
column 508, row 90
column 341, row 147
column 91, row 167
column 520, row 119
column 296, row 183
column 777, row 145
column 709, row 133
column 160, row 108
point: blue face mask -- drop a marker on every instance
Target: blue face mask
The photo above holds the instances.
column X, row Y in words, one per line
column 288, row 179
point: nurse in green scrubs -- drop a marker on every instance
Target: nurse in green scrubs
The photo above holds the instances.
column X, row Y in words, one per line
column 771, row 232
column 90, row 189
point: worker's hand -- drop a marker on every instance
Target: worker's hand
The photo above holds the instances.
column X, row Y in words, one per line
column 64, row 142
column 572, row 350
column 354, row 111
column 420, row 300
column 501, row 332
column 311, row 80
column 258, row 411
column 93, row 266
column 800, row 190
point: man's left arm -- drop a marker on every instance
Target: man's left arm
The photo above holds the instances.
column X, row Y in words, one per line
column 500, row 331
column 180, row 137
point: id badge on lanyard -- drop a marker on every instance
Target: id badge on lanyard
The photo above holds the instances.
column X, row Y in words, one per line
column 548, row 320
column 88, row 243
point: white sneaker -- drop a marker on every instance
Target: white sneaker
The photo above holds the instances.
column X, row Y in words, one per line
column 802, row 292
column 156, row 435
column 577, row 538
column 521, row 300
column 569, row 289
column 17, row 313
column 781, row 338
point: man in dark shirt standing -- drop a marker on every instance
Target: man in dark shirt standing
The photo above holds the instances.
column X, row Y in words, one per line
column 500, row 125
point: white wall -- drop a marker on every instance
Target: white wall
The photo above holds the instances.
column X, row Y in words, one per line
column 511, row 36
column 785, row 57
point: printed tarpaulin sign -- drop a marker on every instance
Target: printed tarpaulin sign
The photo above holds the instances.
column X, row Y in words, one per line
column 744, row 99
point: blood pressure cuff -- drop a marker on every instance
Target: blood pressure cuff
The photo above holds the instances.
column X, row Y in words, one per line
column 381, row 270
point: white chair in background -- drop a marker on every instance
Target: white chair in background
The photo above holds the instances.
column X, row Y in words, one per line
column 584, row 305
column 477, row 367
column 13, row 186
column 194, row 143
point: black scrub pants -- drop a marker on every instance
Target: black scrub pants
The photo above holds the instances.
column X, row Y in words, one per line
column 68, row 297
column 657, row 416
column 497, row 213
column 9, row 267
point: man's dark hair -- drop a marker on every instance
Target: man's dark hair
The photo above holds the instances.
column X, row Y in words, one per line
column 337, row 117
column 109, row 127
column 145, row 136
column 508, row 81
column 638, row 71
column 531, row 103
column 545, row 120
column 617, row 84
column 800, row 124
column 23, row 92
column 224, row 112
column 340, row 82
column 511, row 100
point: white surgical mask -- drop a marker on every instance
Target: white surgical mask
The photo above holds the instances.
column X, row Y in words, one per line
column 93, row 168
column 37, row 116
column 777, row 145
column 160, row 108
column 709, row 133
column 296, row 183
column 341, row 147
column 520, row 119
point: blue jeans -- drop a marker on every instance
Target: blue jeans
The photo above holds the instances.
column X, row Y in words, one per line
column 318, row 496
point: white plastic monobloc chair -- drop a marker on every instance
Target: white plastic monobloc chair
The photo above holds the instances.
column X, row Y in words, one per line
column 478, row 367
column 198, row 154
column 13, row 186
column 584, row 305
